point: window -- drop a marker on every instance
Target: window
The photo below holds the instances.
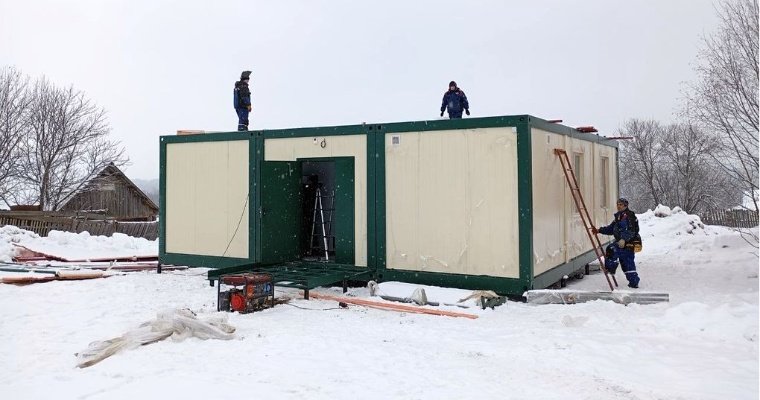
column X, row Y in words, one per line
column 605, row 181
column 578, row 169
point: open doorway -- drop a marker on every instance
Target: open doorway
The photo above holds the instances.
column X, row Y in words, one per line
column 327, row 226
column 318, row 210
column 308, row 210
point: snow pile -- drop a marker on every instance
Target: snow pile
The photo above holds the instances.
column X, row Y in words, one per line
column 10, row 234
column 84, row 247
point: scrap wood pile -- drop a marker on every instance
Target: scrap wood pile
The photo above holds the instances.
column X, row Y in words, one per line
column 32, row 266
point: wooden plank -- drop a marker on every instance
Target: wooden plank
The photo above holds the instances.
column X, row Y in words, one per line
column 391, row 306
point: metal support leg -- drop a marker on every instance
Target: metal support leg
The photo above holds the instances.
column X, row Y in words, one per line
column 272, row 294
column 587, row 269
column 158, row 268
column 218, row 291
column 306, row 294
column 345, row 286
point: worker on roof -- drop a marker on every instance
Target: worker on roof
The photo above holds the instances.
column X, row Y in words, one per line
column 242, row 100
column 455, row 101
column 625, row 229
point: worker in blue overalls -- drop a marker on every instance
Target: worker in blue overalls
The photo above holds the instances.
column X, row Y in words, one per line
column 625, row 229
column 455, row 101
column 242, row 100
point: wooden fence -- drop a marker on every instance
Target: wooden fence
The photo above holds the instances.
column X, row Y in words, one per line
column 42, row 222
column 730, row 218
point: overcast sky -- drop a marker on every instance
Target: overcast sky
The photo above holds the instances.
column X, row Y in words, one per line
column 160, row 66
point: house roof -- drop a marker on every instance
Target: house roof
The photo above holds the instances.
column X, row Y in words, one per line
column 113, row 170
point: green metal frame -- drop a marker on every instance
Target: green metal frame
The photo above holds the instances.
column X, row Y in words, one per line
column 301, row 275
column 376, row 203
column 195, row 259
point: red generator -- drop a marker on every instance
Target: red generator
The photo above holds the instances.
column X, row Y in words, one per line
column 250, row 292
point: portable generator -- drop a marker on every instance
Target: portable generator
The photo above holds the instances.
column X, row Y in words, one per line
column 250, row 292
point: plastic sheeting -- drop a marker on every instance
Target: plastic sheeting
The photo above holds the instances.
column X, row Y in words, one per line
column 574, row 297
column 176, row 324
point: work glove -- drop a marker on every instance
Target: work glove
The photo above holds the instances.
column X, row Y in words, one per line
column 594, row 230
column 621, row 243
column 467, row 112
column 250, row 108
column 442, row 113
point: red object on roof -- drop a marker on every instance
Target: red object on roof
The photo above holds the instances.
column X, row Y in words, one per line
column 586, row 129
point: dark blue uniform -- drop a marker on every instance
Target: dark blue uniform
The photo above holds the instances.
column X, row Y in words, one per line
column 241, row 101
column 625, row 226
column 456, row 102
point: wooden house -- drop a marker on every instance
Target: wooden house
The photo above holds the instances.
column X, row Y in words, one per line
column 113, row 195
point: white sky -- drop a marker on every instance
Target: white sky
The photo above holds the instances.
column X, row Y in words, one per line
column 159, row 66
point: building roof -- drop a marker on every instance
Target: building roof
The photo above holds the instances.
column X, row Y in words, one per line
column 112, row 170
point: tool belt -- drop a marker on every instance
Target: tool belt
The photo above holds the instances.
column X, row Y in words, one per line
column 635, row 244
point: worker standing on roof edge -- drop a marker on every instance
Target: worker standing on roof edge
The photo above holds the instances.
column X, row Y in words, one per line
column 625, row 229
column 455, row 101
column 242, row 100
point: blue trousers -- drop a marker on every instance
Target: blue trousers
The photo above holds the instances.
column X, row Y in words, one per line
column 455, row 115
column 242, row 114
column 626, row 257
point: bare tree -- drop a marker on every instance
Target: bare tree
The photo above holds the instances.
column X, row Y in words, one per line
column 673, row 165
column 691, row 179
column 724, row 99
column 14, row 102
column 641, row 163
column 66, row 144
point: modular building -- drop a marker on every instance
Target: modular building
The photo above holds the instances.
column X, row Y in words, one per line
column 477, row 203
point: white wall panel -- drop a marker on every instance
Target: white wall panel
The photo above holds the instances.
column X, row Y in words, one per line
column 451, row 202
column 206, row 192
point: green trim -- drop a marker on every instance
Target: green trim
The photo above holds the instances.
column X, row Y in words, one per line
column 254, row 198
column 164, row 141
column 257, row 210
column 194, row 260
column 207, row 137
column 617, row 170
column 555, row 274
column 161, row 200
column 560, row 129
column 525, row 203
column 372, row 222
column 451, row 124
column 499, row 285
column 380, row 196
column 318, row 131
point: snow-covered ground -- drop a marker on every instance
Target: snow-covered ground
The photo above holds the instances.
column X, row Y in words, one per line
column 701, row 345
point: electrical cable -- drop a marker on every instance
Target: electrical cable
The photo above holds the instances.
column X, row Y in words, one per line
column 314, row 309
column 238, row 224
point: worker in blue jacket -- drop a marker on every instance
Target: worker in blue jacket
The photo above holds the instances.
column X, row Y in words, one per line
column 242, row 100
column 455, row 100
column 625, row 229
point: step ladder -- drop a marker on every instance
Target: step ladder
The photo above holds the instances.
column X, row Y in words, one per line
column 321, row 231
column 580, row 204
